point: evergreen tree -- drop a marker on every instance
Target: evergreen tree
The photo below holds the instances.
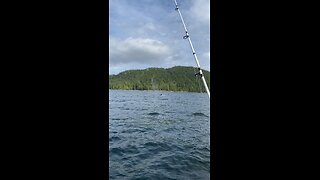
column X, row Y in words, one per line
column 178, row 78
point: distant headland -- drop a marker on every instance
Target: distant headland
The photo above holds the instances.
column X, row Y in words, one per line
column 178, row 78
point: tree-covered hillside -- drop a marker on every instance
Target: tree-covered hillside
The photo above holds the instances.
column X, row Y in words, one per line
column 178, row 78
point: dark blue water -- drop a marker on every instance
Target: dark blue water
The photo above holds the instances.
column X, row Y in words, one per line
column 159, row 135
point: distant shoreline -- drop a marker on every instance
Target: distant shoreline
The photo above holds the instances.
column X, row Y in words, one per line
column 176, row 79
column 155, row 90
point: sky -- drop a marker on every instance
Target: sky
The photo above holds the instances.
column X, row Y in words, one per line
column 149, row 33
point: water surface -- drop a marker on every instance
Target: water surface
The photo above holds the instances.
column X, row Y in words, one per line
column 159, row 135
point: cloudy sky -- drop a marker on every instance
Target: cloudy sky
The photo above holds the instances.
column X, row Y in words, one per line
column 148, row 33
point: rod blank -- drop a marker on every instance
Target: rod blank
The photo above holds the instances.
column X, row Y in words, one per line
column 187, row 36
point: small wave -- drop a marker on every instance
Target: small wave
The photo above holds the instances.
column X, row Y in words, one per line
column 188, row 162
column 118, row 100
column 199, row 114
column 124, row 151
column 164, row 99
column 154, row 176
column 141, row 109
column 157, row 147
column 117, row 119
column 133, row 130
column 166, row 166
column 114, row 139
column 116, row 151
column 170, row 129
column 153, row 114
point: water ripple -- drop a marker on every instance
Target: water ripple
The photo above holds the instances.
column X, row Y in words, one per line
column 199, row 114
column 153, row 137
column 153, row 114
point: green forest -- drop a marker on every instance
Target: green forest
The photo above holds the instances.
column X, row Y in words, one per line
column 178, row 78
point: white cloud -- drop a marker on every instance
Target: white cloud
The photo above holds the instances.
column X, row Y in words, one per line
column 205, row 61
column 148, row 33
column 200, row 11
column 137, row 50
column 145, row 30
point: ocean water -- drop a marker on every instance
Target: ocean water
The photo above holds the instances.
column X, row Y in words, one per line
column 159, row 135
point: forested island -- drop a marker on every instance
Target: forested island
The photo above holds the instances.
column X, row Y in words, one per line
column 178, row 78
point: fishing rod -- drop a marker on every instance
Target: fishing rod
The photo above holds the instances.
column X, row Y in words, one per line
column 187, row 36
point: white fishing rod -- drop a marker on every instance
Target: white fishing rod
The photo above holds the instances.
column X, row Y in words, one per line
column 187, row 36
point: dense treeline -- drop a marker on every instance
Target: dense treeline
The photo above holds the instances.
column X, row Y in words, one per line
column 178, row 78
